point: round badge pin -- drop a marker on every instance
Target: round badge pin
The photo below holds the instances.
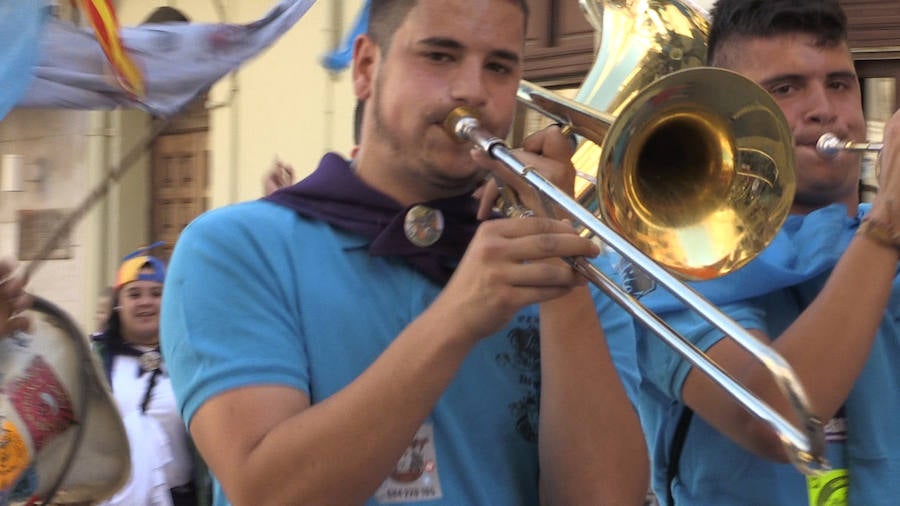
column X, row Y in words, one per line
column 423, row 225
column 150, row 360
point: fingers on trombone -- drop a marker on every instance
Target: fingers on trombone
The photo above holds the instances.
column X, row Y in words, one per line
column 553, row 165
column 555, row 276
column 542, row 238
column 487, row 195
column 556, row 141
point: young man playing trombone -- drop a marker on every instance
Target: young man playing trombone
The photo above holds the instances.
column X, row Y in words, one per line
column 824, row 294
column 369, row 340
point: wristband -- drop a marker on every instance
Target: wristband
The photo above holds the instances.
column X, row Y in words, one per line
column 880, row 232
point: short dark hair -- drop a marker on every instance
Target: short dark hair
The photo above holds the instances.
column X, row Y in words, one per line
column 385, row 16
column 824, row 19
column 357, row 120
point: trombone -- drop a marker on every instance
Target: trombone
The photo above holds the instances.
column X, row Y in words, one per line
column 740, row 181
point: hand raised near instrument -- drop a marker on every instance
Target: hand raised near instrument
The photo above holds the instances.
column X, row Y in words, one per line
column 13, row 299
column 279, row 176
column 513, row 262
column 504, row 270
column 886, row 206
column 549, row 152
column 889, row 158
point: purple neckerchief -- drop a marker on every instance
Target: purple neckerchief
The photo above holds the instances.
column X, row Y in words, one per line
column 335, row 195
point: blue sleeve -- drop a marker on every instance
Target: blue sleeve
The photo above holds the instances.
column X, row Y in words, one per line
column 230, row 314
column 894, row 301
column 618, row 327
column 663, row 367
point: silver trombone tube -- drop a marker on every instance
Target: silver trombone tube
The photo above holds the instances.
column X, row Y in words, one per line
column 830, row 145
column 805, row 447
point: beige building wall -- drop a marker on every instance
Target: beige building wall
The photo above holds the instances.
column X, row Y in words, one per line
column 283, row 103
column 52, row 175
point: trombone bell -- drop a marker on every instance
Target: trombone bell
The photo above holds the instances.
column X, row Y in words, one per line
column 644, row 148
column 694, row 178
column 695, row 172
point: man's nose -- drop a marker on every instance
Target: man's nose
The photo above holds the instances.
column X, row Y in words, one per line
column 819, row 106
column 468, row 84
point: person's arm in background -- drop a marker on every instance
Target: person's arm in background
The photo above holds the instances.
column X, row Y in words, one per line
column 828, row 344
column 279, row 176
column 13, row 299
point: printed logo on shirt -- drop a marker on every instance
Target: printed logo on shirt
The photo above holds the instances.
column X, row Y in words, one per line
column 41, row 402
column 829, row 489
column 415, row 477
column 525, row 358
column 635, row 281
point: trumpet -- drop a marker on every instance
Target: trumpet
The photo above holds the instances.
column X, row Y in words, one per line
column 644, row 151
column 830, row 145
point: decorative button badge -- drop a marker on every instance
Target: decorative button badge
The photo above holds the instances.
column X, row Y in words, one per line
column 150, row 360
column 423, row 225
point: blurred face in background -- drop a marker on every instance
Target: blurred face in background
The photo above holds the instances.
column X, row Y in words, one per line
column 139, row 303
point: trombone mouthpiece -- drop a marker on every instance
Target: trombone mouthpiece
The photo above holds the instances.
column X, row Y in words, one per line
column 456, row 121
column 829, row 145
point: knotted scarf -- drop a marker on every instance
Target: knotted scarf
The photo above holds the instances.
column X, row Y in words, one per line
column 336, row 195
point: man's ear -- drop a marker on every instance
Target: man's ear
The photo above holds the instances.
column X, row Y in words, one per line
column 366, row 55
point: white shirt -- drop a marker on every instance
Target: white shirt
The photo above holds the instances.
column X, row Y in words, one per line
column 160, row 449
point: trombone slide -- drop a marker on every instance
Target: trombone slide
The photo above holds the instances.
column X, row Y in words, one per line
column 806, row 448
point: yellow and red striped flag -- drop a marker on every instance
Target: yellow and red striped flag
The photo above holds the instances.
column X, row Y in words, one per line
column 103, row 20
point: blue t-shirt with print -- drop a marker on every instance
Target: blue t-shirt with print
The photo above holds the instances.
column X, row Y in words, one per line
column 712, row 469
column 257, row 294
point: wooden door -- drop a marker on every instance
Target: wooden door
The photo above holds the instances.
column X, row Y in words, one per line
column 559, row 44
column 180, row 183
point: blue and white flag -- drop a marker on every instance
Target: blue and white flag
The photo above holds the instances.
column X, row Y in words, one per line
column 178, row 60
column 21, row 24
column 339, row 59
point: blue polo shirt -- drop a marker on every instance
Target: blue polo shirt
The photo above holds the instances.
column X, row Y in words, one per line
column 257, row 294
column 715, row 471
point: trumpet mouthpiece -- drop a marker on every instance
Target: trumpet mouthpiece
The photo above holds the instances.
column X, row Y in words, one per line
column 829, row 145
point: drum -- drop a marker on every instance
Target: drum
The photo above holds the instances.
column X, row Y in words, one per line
column 61, row 434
